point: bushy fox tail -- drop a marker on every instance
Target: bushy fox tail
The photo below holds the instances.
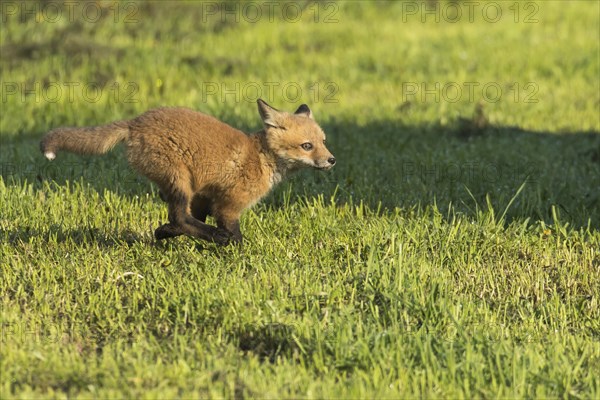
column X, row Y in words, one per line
column 88, row 140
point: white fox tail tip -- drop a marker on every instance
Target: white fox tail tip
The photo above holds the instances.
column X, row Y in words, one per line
column 50, row 155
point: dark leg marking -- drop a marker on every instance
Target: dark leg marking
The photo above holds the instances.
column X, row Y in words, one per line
column 162, row 196
column 233, row 227
column 181, row 222
column 167, row 231
column 200, row 207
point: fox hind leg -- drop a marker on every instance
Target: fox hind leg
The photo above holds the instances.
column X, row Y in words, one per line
column 181, row 222
column 167, row 231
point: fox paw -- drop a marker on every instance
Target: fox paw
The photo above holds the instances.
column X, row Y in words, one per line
column 222, row 237
column 165, row 231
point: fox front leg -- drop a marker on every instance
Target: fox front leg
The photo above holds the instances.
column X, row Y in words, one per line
column 233, row 228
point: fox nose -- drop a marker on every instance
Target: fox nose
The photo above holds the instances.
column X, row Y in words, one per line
column 331, row 160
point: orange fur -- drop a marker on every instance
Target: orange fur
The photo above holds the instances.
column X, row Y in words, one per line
column 202, row 165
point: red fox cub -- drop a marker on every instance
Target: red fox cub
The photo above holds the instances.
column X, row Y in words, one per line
column 203, row 166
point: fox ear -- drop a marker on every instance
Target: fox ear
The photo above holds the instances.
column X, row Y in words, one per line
column 304, row 110
column 267, row 113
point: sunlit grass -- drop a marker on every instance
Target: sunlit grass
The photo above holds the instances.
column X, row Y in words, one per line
column 452, row 252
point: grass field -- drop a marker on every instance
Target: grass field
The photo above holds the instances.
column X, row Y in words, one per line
column 453, row 252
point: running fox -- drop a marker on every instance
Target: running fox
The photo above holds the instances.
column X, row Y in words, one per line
column 203, row 166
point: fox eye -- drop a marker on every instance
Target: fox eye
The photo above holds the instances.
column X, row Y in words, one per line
column 307, row 146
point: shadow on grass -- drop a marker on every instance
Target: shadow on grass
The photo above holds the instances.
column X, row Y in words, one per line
column 466, row 166
column 268, row 342
column 98, row 238
column 80, row 236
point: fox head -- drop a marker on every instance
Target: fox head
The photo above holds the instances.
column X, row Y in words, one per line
column 295, row 139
